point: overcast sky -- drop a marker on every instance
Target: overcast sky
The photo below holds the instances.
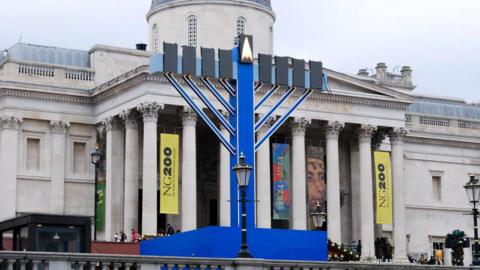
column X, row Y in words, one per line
column 439, row 39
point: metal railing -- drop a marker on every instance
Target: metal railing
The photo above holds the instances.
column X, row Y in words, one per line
column 65, row 261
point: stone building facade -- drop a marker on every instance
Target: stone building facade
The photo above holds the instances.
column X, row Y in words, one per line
column 57, row 104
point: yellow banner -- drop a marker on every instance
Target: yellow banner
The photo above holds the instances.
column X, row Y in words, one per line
column 383, row 186
column 169, row 159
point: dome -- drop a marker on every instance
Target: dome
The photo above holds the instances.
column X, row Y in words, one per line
column 211, row 23
column 265, row 3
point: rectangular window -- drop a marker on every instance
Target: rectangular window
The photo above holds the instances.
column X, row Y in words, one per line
column 79, row 158
column 436, row 188
column 33, row 154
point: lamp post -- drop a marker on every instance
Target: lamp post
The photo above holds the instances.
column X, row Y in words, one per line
column 318, row 216
column 242, row 170
column 97, row 160
column 472, row 188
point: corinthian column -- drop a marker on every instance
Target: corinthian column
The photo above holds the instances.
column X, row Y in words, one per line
column 264, row 210
column 114, row 177
column 189, row 170
column 9, row 132
column 57, row 179
column 150, row 186
column 224, row 183
column 299, row 185
column 399, row 236
column 366, row 191
column 130, row 216
column 333, row 182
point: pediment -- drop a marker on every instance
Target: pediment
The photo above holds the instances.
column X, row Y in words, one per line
column 343, row 84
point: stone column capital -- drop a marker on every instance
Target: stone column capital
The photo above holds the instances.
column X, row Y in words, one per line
column 268, row 124
column 10, row 122
column 299, row 125
column 189, row 117
column 130, row 117
column 150, row 110
column 365, row 132
column 333, row 129
column 397, row 135
column 225, row 114
column 59, row 127
column 112, row 123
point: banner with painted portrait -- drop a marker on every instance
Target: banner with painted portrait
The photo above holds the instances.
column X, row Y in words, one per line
column 316, row 188
column 281, row 174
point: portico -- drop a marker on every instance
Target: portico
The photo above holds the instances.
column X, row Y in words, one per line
column 317, row 126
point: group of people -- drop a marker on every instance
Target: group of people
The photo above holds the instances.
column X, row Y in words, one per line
column 433, row 260
column 122, row 237
column 135, row 237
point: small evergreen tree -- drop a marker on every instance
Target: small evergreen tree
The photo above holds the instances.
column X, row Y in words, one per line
column 343, row 253
column 456, row 241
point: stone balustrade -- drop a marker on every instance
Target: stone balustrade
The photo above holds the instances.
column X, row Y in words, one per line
column 65, row 261
column 46, row 74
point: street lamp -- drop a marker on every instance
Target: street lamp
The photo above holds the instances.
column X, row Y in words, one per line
column 318, row 216
column 472, row 188
column 97, row 160
column 242, row 170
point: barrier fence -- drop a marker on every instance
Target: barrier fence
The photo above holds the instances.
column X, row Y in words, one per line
column 65, row 261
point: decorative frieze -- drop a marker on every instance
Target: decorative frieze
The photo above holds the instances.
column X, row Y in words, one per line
column 59, row 127
column 189, row 117
column 130, row 117
column 299, row 125
column 10, row 122
column 365, row 132
column 150, row 110
column 333, row 129
column 345, row 99
column 439, row 142
column 23, row 93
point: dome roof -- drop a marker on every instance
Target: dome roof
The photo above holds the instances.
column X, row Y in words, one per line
column 265, row 3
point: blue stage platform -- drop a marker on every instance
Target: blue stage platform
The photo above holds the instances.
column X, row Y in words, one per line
column 224, row 242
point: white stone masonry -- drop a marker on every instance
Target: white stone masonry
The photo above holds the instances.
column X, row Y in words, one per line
column 299, row 184
column 366, row 191
column 57, row 181
column 224, row 181
column 399, row 235
column 189, row 171
column 114, row 190
column 130, row 118
column 263, row 189
column 9, row 132
column 333, row 182
column 150, row 181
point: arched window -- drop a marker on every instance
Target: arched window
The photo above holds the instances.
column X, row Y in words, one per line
column 155, row 38
column 192, row 30
column 241, row 25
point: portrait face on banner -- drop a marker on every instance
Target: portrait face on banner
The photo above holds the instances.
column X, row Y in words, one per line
column 315, row 178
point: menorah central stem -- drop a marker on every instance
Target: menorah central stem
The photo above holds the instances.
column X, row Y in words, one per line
column 244, row 139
